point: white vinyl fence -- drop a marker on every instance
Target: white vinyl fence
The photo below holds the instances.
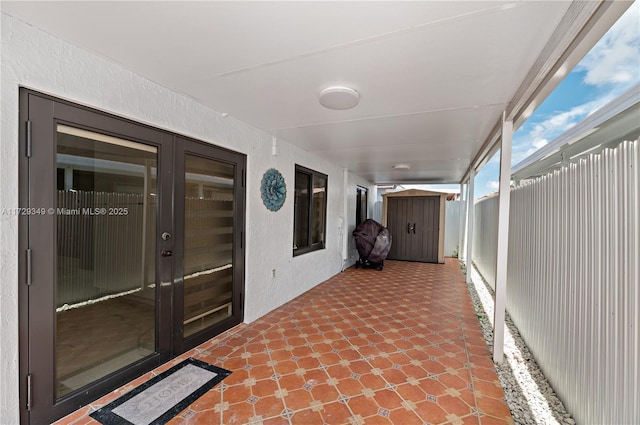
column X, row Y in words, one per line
column 485, row 238
column 452, row 212
column 376, row 214
column 573, row 280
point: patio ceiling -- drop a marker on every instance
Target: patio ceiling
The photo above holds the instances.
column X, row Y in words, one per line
column 434, row 77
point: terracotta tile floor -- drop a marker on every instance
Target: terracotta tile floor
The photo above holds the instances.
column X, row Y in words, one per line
column 399, row 346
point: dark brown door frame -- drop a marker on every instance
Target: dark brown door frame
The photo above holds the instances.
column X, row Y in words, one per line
column 41, row 114
column 38, row 117
column 360, row 193
column 189, row 146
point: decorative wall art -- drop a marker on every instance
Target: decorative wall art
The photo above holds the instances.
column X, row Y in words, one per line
column 273, row 189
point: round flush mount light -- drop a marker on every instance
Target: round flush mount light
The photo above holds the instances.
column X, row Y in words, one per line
column 339, row 97
column 401, row 167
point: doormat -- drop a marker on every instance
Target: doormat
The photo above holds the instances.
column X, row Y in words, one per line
column 161, row 398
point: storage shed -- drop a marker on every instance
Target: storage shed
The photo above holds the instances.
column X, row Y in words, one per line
column 415, row 219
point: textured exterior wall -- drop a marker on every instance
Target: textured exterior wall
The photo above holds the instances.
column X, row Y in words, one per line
column 34, row 59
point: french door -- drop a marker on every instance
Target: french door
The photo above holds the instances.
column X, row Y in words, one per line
column 133, row 251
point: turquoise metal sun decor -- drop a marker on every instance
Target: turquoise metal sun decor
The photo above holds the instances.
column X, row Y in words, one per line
column 273, row 189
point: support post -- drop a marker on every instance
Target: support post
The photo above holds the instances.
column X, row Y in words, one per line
column 344, row 226
column 470, row 218
column 462, row 214
column 503, row 240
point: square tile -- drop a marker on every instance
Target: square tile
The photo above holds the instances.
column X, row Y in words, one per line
column 398, row 347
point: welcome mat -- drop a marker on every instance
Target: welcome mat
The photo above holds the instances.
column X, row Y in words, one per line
column 161, row 398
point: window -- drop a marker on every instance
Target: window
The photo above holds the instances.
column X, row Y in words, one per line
column 310, row 211
column 361, row 205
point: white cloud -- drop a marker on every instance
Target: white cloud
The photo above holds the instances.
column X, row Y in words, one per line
column 615, row 59
column 493, row 185
column 538, row 143
column 548, row 129
column 560, row 122
column 613, row 65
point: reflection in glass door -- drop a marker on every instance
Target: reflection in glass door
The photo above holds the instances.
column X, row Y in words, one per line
column 105, row 262
column 208, row 243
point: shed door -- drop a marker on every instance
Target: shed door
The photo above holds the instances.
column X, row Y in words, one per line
column 398, row 217
column 414, row 226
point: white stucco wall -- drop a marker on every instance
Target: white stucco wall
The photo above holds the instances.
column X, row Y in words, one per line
column 34, row 59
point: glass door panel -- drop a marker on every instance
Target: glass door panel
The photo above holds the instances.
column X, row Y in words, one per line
column 105, row 295
column 208, row 243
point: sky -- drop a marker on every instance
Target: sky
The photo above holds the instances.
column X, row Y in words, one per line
column 611, row 67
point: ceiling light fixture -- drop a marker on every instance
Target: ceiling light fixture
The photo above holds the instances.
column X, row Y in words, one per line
column 401, row 167
column 339, row 97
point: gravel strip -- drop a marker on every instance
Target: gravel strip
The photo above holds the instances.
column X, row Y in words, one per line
column 529, row 395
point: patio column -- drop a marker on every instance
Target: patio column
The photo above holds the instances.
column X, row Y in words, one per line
column 503, row 240
column 344, row 223
column 469, row 236
column 462, row 214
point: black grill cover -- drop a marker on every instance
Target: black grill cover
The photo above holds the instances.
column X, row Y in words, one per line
column 373, row 241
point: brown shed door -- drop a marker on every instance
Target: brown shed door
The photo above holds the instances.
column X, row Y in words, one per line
column 398, row 214
column 413, row 223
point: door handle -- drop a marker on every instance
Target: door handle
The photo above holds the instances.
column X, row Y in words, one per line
column 414, row 228
column 166, row 253
column 408, row 227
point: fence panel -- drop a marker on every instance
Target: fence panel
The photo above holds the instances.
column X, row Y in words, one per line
column 452, row 228
column 99, row 254
column 573, row 281
column 485, row 237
